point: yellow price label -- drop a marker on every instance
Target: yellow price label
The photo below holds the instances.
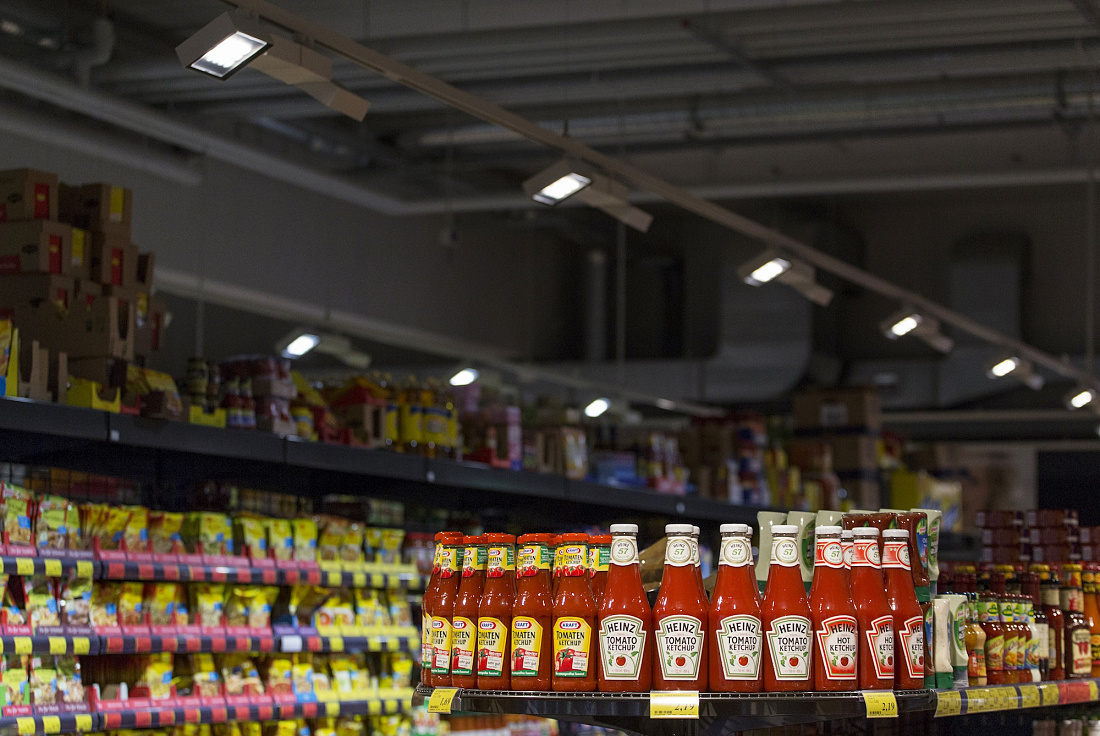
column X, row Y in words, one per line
column 58, row 645
column 23, row 645
column 24, row 726
column 375, row 707
column 335, row 578
column 674, row 704
column 1093, row 694
column 84, row 722
column 51, row 724
column 1049, row 693
column 53, row 568
column 378, row 580
column 880, row 704
column 948, row 703
column 441, row 699
column 24, row 566
column 84, row 568
column 980, row 700
column 332, row 710
column 336, row 643
column 1029, row 696
column 82, row 645
column 359, row 579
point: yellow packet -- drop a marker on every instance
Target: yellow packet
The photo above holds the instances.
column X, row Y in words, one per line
column 105, row 598
column 158, row 675
column 114, row 528
column 280, row 538
column 52, row 522
column 131, row 605
column 136, row 533
column 351, row 550
column 305, row 539
column 331, row 540
column 165, row 531
column 280, row 676
column 250, row 537
column 160, row 603
column 207, row 604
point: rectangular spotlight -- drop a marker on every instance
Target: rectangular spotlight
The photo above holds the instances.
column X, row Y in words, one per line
column 568, row 178
column 224, row 45
column 770, row 266
column 558, row 182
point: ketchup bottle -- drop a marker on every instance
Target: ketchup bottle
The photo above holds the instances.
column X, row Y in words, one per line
column 680, row 617
column 532, row 615
column 599, row 553
column 494, row 615
column 836, row 635
column 625, row 619
column 736, row 641
column 427, row 603
column 464, row 621
column 908, row 618
column 574, row 618
column 695, row 532
column 876, row 620
column 847, row 544
column 786, row 618
column 443, row 605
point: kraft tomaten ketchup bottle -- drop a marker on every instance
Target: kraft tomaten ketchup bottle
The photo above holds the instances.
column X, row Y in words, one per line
column 734, row 623
column 625, row 619
column 873, row 614
column 787, row 631
column 836, row 634
column 532, row 615
column 494, row 614
column 464, row 622
column 574, row 618
column 443, row 605
column 680, row 617
column 908, row 617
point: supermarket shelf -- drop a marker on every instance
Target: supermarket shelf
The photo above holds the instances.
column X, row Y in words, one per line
column 378, row 643
column 41, row 644
column 64, row 723
column 404, row 640
column 155, row 643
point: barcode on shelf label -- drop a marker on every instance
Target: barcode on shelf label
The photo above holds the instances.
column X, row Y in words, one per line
column 84, row 722
column 1049, row 693
column 84, row 568
column 1029, row 696
column 441, row 699
column 51, row 724
column 674, row 704
column 948, row 703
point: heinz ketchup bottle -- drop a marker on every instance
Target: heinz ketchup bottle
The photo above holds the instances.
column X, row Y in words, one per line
column 625, row 619
column 680, row 617
column 836, row 635
column 876, row 620
column 908, row 617
column 786, row 618
column 735, row 639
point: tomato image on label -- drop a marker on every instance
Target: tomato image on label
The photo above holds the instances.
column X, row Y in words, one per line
column 492, row 646
column 912, row 644
column 740, row 641
column 680, row 647
column 441, row 645
column 622, row 644
column 572, row 646
column 789, row 647
column 880, row 640
column 463, row 640
column 526, row 646
column 838, row 640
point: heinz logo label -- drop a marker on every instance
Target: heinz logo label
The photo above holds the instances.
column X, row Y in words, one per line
column 569, row 625
column 521, row 625
column 486, row 626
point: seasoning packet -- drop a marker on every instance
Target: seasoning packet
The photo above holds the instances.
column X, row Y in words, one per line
column 280, row 538
column 131, row 604
column 160, row 603
column 165, row 531
column 52, row 522
column 400, row 610
column 15, row 603
column 237, row 602
column 70, row 686
column 204, row 675
column 342, row 669
column 240, row 675
column 209, row 531
column 392, row 539
column 105, row 598
column 43, row 681
column 16, row 502
column 336, row 612
column 207, row 604
column 305, row 539
column 401, row 665
column 136, row 532
column 331, row 537
column 76, row 600
column 250, row 537
column 302, row 674
column 15, row 679
column 158, row 675
column 279, row 674
column 370, row 611
column 305, row 600
column 115, row 528
column 183, row 607
column 351, row 550
column 259, row 612
column 41, row 603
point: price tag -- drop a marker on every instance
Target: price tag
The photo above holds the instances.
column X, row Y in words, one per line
column 51, row 724
column 24, row 726
column 374, row 707
column 332, row 710
column 335, row 578
column 378, row 580
column 23, row 645
column 948, row 703
column 58, row 645
column 84, row 568
column 979, row 700
column 81, row 645
column 53, row 568
column 1049, row 693
column 674, row 704
column 880, row 704
column 1029, row 696
column 1093, row 694
column 359, row 579
column 336, row 643
column 441, row 699
column 24, row 566
column 84, row 722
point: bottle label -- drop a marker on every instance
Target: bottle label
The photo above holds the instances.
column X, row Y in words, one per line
column 624, row 551
column 448, row 562
column 975, row 663
column 1081, row 641
column 531, row 559
column 1052, row 648
column 808, row 544
column 622, row 647
column 838, row 641
column 880, row 642
column 934, row 542
column 599, row 559
column 501, row 560
column 678, row 552
column 1042, row 641
column 740, row 641
column 1094, row 641
column 574, row 560
column 911, row 637
column 958, row 629
column 849, row 552
column 829, row 553
column 865, row 553
column 441, row 646
column 1032, row 656
column 921, row 536
column 695, row 552
column 736, row 552
column 895, row 555
column 784, row 552
column 473, row 559
column 526, row 646
column 789, row 647
column 680, row 647
column 463, row 640
column 1008, row 656
column 995, row 653
column 572, row 646
column 492, row 646
column 426, row 655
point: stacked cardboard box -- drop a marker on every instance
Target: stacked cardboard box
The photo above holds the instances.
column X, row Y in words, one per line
column 1044, row 535
column 726, row 459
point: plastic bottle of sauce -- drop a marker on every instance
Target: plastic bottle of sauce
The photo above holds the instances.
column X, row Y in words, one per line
column 975, row 644
column 464, row 622
column 916, row 523
column 876, row 620
column 494, row 615
column 532, row 615
column 427, row 603
column 847, row 543
column 908, row 617
column 1048, row 587
column 735, row 617
column 695, row 532
column 787, row 666
column 1029, row 584
column 625, row 619
column 836, row 634
column 599, row 556
column 1092, row 615
column 1012, row 637
column 882, row 521
column 443, row 605
column 989, row 615
column 1031, row 659
column 1078, row 637
column 680, row 617
column 1023, row 674
column 574, row 619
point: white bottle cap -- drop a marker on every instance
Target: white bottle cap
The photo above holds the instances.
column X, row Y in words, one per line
column 866, row 531
column 679, row 529
column 624, row 528
column 784, row 529
column 895, row 534
column 847, row 534
column 695, row 530
column 826, row 530
column 734, row 529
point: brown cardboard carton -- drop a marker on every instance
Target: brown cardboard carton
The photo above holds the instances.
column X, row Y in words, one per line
column 35, row 288
column 34, row 371
column 86, row 292
column 59, row 377
column 838, row 407
column 854, row 452
column 113, row 263
column 35, row 246
column 102, row 328
column 104, row 371
column 28, row 194
column 97, row 207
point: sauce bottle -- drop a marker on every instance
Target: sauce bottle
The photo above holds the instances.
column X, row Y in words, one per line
column 1012, row 638
column 847, row 544
column 1048, row 587
column 697, row 559
column 833, row 614
column 494, row 615
column 1078, row 637
column 599, row 556
column 786, row 618
column 908, row 617
column 876, row 655
column 1023, row 673
column 625, row 619
column 736, row 644
column 1092, row 615
column 1029, row 584
column 916, row 523
column 427, row 603
column 443, row 605
column 975, row 644
column 680, row 617
column 532, row 615
column 1032, row 657
column 464, row 622
column 574, row 618
column 989, row 615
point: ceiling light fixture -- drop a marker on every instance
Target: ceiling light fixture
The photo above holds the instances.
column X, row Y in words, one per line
column 1016, row 367
column 908, row 321
column 771, row 266
column 1079, row 398
column 573, row 179
column 464, row 377
column 297, row 343
column 225, row 45
column 597, row 408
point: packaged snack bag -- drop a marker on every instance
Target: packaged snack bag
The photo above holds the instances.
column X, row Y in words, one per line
column 240, row 675
column 351, row 550
column 331, row 540
column 43, row 681
column 165, row 531
column 206, row 681
column 131, row 605
column 17, row 508
column 15, row 679
column 105, row 598
column 208, row 604
column 280, row 538
column 41, row 604
column 136, row 532
column 279, row 674
column 52, row 522
column 160, row 603
column 76, row 600
column 305, row 539
column 250, row 537
column 70, row 687
column 158, row 675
